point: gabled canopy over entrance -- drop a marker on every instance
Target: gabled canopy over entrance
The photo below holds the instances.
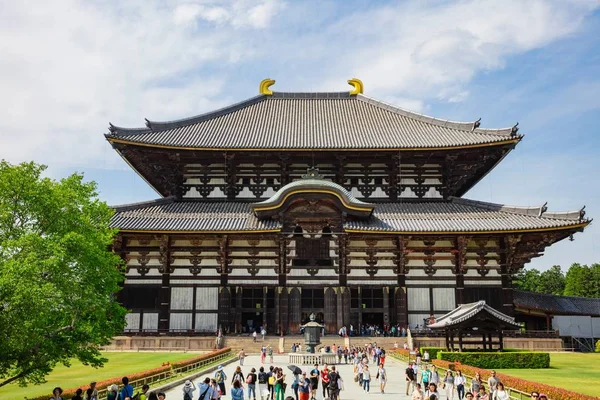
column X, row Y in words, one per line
column 314, row 189
column 474, row 319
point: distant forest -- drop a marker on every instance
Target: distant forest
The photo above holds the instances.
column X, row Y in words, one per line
column 579, row 280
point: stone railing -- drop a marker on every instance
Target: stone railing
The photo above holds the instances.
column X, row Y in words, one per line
column 312, row 359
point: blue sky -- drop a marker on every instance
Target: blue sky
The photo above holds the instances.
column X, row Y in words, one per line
column 70, row 67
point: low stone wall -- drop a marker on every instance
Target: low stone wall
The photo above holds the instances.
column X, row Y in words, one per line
column 166, row 343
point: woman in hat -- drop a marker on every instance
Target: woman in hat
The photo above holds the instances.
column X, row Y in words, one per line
column 220, row 378
column 112, row 392
column 56, row 392
column 188, row 390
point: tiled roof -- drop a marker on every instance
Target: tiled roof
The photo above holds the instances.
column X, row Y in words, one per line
column 312, row 120
column 456, row 215
column 557, row 305
column 465, row 312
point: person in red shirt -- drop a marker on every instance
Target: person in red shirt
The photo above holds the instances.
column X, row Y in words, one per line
column 325, row 380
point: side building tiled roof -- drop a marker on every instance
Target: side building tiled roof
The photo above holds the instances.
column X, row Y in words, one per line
column 556, row 305
column 305, row 121
column 456, row 215
column 465, row 312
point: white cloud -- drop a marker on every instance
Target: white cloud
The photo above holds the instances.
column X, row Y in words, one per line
column 68, row 68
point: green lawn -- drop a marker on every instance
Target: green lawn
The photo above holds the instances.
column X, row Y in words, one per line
column 572, row 371
column 119, row 364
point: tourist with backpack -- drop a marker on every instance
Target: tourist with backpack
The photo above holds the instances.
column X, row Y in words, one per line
column 205, row 389
column 220, row 379
column 263, row 387
column 237, row 392
column 334, row 384
column 188, row 390
column 127, row 390
column 382, row 377
column 251, row 379
column 238, row 376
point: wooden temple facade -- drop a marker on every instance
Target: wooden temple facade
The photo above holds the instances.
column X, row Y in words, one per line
column 336, row 204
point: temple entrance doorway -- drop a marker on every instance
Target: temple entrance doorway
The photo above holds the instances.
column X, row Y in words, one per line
column 251, row 322
column 373, row 318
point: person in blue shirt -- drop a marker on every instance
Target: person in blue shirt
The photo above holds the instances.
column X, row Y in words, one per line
column 127, row 391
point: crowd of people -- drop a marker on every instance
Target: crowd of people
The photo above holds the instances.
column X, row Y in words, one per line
column 114, row 392
column 424, row 382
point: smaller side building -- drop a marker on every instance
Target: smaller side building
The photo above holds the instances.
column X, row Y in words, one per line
column 577, row 319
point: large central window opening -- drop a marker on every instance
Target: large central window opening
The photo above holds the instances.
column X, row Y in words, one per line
column 312, row 251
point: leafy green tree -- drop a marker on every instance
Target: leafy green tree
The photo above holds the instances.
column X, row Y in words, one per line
column 552, row 281
column 527, row 279
column 595, row 268
column 58, row 278
column 579, row 281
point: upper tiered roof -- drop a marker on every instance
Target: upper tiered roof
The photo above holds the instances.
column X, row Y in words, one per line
column 306, row 121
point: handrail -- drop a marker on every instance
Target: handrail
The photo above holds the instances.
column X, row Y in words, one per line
column 521, row 395
column 161, row 376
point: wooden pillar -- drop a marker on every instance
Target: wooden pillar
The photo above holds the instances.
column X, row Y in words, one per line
column 452, row 340
column 360, row 310
column 460, row 340
column 386, row 305
column 491, row 341
column 265, row 309
column 330, row 310
column 283, row 310
column 447, row 335
column 401, row 299
column 460, row 268
column 238, row 308
column 483, row 343
column 224, row 320
column 501, row 339
column 507, row 246
column 165, row 287
column 340, row 307
column 295, row 315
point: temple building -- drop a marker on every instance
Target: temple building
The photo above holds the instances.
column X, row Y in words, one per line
column 337, row 204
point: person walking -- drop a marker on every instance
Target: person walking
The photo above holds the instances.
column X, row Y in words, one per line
column 78, row 394
column 279, row 384
column 127, row 390
column 238, row 376
column 381, row 377
column 215, row 390
column 251, row 381
column 449, row 385
column 112, row 392
column 295, row 385
column 435, row 376
column 241, row 356
column 432, row 393
column 220, row 379
column 188, row 390
column 254, row 336
column 425, row 376
column 92, row 392
column 492, row 382
column 334, row 384
column 482, row 395
column 263, row 380
column 460, row 382
column 476, row 383
column 418, row 394
column 205, row 390
column 237, row 392
column 325, row 379
column 366, row 377
column 304, row 387
column 410, row 379
column 500, row 393
column 314, row 381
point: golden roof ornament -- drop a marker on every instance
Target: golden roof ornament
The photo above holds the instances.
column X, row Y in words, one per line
column 264, row 86
column 358, row 86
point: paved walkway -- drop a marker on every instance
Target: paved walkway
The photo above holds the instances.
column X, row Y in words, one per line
column 395, row 388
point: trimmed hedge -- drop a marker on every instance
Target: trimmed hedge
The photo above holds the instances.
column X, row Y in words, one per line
column 433, row 351
column 498, row 360
column 523, row 385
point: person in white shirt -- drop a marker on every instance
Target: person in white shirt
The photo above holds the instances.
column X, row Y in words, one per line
column 500, row 393
column 459, row 382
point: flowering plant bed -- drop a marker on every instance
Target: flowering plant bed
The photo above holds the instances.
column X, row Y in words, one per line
column 511, row 382
column 161, row 373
